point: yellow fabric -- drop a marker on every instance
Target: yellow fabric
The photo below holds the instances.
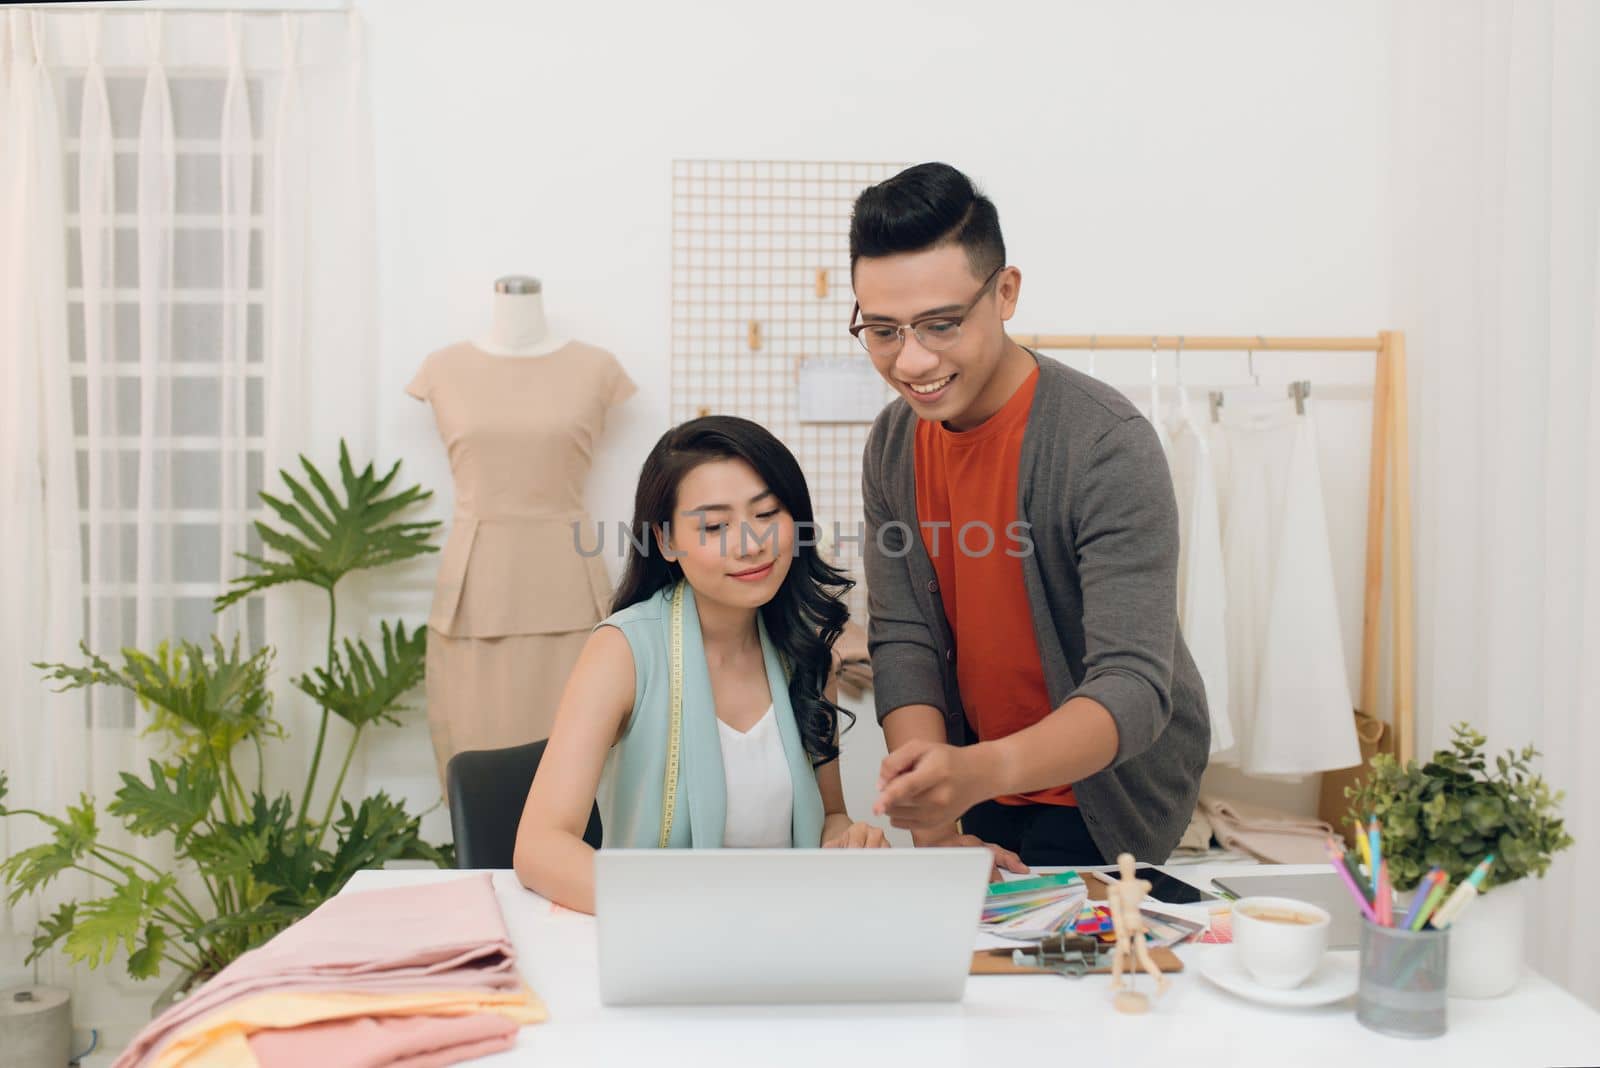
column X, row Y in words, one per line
column 221, row 1039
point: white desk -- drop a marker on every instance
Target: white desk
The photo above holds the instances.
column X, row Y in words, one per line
column 1021, row 1019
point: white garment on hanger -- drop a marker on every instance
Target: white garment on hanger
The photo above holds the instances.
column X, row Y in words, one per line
column 1289, row 692
column 1202, row 585
column 1202, row 597
column 1152, row 414
column 760, row 813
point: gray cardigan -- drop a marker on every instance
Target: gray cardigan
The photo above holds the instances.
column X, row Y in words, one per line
column 1102, row 582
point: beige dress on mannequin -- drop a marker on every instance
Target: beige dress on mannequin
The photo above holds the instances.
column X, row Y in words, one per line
column 515, row 598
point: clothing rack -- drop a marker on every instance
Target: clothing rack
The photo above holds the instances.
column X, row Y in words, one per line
column 337, row 7
column 1388, row 484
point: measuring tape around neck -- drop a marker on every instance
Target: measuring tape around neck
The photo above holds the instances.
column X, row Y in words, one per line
column 669, row 787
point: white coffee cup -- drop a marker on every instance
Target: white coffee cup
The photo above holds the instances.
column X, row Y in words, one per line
column 1280, row 941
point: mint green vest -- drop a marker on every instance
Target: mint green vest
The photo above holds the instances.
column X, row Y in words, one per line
column 636, row 769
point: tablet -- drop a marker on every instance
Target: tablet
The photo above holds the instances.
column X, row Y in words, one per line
column 1323, row 889
column 1165, row 888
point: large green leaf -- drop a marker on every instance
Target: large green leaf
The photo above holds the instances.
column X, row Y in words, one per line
column 233, row 850
column 332, row 535
column 145, row 962
column 380, row 830
column 205, row 702
column 260, row 922
column 289, row 870
column 228, row 853
column 31, row 869
column 172, row 802
column 359, row 690
column 285, row 863
column 116, row 918
column 52, row 930
column 72, row 840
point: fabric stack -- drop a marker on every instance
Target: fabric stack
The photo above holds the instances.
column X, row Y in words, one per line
column 415, row 976
column 1266, row 834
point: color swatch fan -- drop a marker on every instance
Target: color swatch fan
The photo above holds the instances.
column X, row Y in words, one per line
column 1034, row 908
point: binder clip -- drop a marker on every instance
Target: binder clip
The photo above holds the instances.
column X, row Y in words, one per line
column 1065, row 954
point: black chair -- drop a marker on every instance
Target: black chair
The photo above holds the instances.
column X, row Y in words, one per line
column 488, row 789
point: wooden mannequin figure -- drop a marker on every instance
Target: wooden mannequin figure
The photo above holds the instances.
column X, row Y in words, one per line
column 1124, row 898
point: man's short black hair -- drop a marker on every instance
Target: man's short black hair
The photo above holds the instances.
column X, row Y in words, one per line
column 923, row 207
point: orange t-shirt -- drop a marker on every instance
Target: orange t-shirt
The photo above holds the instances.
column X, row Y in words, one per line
column 971, row 478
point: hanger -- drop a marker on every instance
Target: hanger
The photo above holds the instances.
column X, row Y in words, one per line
column 1092, row 339
column 1185, row 414
column 1216, row 396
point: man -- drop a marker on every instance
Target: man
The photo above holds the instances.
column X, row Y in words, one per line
column 1021, row 553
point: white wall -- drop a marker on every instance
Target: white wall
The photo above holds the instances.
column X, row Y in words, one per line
column 1170, row 166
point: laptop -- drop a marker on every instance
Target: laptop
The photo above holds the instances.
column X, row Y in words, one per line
column 1324, row 889
column 765, row 926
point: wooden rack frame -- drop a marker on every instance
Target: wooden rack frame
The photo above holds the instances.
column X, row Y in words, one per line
column 1389, row 482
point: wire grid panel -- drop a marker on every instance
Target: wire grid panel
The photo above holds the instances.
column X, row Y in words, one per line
column 761, row 283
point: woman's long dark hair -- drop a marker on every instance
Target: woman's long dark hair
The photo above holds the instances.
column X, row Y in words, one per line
column 806, row 615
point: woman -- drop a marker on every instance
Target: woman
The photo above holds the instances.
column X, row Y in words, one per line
column 724, row 616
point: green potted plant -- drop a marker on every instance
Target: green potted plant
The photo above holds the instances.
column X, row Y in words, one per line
column 1450, row 813
column 249, row 859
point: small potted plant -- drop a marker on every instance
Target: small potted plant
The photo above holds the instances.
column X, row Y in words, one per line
column 1450, row 813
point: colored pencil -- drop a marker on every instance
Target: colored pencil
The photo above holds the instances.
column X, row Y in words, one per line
column 1385, row 897
column 1376, row 844
column 1419, row 898
column 1357, row 876
column 1447, row 913
column 1432, row 905
column 1336, row 856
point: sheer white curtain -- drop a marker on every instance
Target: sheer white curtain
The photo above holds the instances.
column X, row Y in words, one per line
column 185, row 304
column 1496, row 132
column 41, row 585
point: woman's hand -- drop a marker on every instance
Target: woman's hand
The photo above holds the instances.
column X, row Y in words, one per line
column 859, row 835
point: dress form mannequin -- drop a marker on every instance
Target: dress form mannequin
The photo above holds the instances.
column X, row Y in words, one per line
column 519, row 327
column 520, row 413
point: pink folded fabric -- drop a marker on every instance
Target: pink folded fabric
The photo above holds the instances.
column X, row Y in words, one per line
column 448, row 934
column 385, row 1042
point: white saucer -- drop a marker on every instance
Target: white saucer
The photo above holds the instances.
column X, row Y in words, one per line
column 1335, row 980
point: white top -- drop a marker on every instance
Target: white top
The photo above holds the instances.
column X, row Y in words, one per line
column 1202, row 580
column 1201, row 1025
column 1289, row 686
column 760, row 795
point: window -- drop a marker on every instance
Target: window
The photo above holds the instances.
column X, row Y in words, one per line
column 168, row 475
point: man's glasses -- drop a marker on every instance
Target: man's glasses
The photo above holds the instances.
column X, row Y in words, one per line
column 935, row 333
